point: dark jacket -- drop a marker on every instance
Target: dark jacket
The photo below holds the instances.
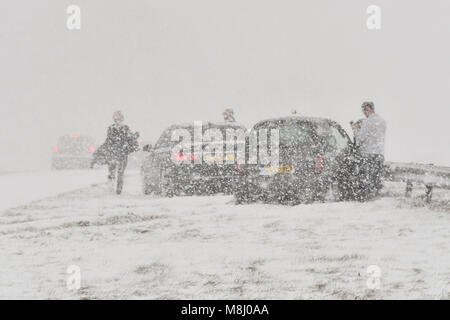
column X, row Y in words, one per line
column 120, row 142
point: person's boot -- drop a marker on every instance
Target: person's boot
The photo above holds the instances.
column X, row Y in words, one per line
column 119, row 186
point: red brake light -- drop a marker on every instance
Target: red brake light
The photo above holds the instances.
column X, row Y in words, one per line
column 91, row 149
column 74, row 137
column 180, row 156
column 55, row 149
column 318, row 166
column 240, row 168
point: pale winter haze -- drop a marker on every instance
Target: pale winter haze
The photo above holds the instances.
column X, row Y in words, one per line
column 164, row 62
column 310, row 214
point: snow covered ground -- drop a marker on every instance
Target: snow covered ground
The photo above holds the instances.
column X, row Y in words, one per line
column 24, row 186
column 144, row 247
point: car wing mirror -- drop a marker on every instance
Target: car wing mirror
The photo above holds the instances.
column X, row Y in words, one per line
column 147, row 148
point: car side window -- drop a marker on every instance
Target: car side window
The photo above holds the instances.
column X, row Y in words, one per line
column 340, row 139
column 164, row 140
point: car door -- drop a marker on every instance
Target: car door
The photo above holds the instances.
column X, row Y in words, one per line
column 345, row 155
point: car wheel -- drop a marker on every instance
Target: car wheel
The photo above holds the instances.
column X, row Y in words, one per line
column 56, row 166
column 244, row 193
column 321, row 193
column 189, row 191
column 165, row 185
column 346, row 190
column 242, row 198
column 148, row 189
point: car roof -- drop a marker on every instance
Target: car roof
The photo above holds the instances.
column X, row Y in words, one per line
column 296, row 118
column 75, row 136
column 208, row 124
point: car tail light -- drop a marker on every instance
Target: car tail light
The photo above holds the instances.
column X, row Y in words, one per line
column 55, row 149
column 75, row 137
column 319, row 164
column 91, row 149
column 180, row 156
column 240, row 168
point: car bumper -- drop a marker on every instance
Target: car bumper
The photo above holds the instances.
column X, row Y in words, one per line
column 71, row 162
column 284, row 183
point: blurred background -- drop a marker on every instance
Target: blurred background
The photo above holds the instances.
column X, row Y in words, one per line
column 169, row 61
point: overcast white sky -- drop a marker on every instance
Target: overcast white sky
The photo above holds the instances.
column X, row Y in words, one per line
column 167, row 61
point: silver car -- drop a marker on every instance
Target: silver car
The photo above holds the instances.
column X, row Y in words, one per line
column 73, row 152
column 168, row 172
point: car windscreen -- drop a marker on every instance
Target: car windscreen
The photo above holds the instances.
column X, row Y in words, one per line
column 75, row 145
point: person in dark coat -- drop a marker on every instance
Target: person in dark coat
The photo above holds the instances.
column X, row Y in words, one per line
column 120, row 142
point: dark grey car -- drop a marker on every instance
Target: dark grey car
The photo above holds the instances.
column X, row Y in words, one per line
column 73, row 152
column 168, row 172
column 313, row 153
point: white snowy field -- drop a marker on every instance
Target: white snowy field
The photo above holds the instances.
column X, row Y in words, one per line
column 21, row 187
column 143, row 247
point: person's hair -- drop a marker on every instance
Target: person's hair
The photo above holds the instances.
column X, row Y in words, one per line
column 368, row 104
column 118, row 116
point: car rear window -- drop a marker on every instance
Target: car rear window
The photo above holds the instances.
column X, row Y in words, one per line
column 291, row 132
column 308, row 134
column 166, row 138
column 74, row 144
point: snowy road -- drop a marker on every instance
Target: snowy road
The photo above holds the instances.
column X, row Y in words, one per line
column 21, row 187
column 139, row 247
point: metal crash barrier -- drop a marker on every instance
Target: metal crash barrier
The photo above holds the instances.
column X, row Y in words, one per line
column 429, row 175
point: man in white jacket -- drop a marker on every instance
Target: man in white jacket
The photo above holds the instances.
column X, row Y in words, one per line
column 370, row 137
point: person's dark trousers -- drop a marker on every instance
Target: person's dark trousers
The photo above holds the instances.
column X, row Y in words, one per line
column 371, row 176
column 117, row 167
column 112, row 166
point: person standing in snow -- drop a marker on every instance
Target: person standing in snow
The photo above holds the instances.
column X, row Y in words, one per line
column 370, row 137
column 120, row 142
column 228, row 115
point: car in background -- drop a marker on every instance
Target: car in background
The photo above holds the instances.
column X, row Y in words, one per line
column 168, row 172
column 73, row 152
column 314, row 155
